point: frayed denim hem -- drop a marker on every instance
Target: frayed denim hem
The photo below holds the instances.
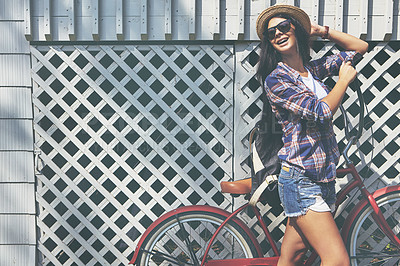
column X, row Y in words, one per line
column 297, row 214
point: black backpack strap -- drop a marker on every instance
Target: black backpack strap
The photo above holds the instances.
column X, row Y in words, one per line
column 252, row 136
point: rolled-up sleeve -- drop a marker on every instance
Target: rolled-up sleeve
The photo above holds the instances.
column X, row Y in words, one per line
column 330, row 65
column 282, row 92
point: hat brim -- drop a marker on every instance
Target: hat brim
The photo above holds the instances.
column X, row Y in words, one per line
column 277, row 9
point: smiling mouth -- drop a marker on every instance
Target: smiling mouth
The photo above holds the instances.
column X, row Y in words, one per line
column 282, row 41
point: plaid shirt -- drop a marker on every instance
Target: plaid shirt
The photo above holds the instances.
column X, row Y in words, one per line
column 308, row 137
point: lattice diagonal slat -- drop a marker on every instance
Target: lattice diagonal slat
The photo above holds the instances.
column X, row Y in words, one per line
column 126, row 133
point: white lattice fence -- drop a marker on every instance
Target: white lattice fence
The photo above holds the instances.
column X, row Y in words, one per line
column 128, row 132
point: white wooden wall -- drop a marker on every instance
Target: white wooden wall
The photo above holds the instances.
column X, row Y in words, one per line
column 112, row 20
column 17, row 182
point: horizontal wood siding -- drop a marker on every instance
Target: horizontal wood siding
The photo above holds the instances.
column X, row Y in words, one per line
column 17, row 183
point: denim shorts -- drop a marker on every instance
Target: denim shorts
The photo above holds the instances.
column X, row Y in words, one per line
column 298, row 193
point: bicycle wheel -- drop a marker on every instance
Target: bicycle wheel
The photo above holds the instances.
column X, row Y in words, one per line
column 367, row 244
column 183, row 239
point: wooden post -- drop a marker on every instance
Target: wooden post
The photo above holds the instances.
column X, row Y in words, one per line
column 241, row 6
column 119, row 23
column 389, row 20
column 339, row 15
column 27, row 20
column 46, row 20
column 143, row 20
column 363, row 19
column 71, row 20
column 95, row 20
column 192, row 19
column 315, row 11
column 216, row 35
column 168, row 20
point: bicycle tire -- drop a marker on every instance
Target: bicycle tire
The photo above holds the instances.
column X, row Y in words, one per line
column 167, row 244
column 367, row 244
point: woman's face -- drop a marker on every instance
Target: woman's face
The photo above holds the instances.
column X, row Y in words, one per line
column 284, row 43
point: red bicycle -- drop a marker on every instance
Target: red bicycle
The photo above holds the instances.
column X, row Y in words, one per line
column 205, row 235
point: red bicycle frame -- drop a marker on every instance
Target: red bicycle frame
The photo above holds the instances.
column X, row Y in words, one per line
column 355, row 182
column 368, row 198
column 251, row 261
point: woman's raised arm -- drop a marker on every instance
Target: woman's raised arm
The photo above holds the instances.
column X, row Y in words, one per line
column 346, row 41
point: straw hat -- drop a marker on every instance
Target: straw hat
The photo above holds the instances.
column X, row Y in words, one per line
column 274, row 10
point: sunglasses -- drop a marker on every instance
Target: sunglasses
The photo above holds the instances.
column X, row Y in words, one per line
column 283, row 27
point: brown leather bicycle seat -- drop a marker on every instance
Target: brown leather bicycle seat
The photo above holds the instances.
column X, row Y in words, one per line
column 242, row 186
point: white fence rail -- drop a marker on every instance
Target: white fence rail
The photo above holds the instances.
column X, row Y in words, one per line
column 104, row 20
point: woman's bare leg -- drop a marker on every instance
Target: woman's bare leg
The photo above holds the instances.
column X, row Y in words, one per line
column 294, row 245
column 320, row 231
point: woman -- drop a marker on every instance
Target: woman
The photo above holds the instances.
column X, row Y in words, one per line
column 304, row 107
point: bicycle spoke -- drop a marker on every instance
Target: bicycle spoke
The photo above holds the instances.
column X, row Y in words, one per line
column 392, row 261
column 377, row 259
column 221, row 248
column 189, row 246
column 166, row 257
column 373, row 255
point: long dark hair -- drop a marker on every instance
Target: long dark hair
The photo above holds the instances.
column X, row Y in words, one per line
column 269, row 57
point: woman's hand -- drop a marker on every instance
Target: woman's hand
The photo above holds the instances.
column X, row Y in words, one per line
column 317, row 30
column 347, row 73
